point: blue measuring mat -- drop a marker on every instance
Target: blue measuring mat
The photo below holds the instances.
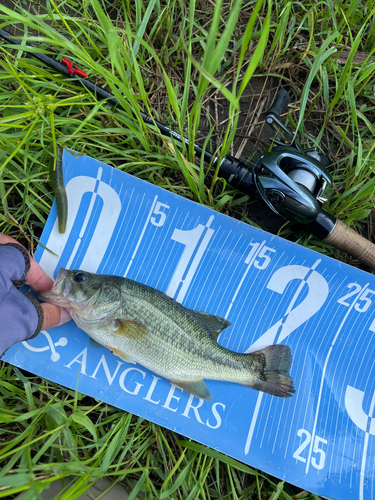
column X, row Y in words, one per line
column 272, row 291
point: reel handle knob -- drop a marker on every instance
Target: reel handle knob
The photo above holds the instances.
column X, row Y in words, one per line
column 280, row 103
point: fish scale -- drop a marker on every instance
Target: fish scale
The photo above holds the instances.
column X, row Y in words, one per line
column 142, row 324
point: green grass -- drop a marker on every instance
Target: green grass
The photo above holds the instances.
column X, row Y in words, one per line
column 168, row 59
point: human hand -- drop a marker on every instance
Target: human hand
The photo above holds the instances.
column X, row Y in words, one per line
column 21, row 319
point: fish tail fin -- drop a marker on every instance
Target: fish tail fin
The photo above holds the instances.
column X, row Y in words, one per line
column 273, row 365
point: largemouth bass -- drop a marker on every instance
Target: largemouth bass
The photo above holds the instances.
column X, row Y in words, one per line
column 139, row 323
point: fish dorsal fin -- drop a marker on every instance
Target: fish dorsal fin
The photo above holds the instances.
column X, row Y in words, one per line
column 131, row 329
column 215, row 324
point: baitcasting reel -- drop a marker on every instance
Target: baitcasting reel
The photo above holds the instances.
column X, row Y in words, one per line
column 292, row 181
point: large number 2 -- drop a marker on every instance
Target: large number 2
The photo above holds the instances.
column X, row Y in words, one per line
column 294, row 316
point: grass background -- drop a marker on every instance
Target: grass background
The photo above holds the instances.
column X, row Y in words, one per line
column 209, row 70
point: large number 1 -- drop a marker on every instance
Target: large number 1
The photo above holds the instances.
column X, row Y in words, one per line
column 187, row 263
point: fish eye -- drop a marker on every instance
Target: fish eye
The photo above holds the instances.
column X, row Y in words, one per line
column 79, row 277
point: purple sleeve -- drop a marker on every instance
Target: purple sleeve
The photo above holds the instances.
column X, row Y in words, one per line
column 21, row 317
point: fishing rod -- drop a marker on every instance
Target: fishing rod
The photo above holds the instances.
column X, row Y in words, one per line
column 72, row 71
column 292, row 181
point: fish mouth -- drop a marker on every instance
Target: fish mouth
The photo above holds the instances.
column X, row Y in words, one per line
column 59, row 291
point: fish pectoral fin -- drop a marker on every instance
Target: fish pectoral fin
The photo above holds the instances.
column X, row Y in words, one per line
column 197, row 388
column 121, row 354
column 215, row 324
column 132, row 330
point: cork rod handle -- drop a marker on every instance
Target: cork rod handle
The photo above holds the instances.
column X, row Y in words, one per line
column 347, row 240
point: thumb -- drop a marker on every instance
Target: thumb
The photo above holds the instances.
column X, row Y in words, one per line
column 54, row 316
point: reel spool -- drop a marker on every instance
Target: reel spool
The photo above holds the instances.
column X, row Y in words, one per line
column 294, row 184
